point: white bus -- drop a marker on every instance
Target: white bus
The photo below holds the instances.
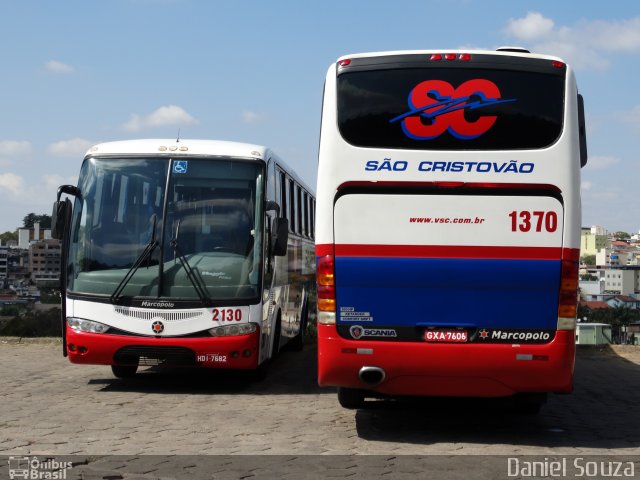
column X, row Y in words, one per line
column 188, row 252
column 448, row 225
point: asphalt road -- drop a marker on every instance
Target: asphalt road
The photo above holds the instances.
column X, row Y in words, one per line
column 49, row 407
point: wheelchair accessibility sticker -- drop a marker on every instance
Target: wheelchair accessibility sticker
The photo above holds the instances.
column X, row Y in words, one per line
column 180, row 166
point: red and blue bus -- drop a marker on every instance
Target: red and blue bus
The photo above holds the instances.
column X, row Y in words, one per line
column 448, row 225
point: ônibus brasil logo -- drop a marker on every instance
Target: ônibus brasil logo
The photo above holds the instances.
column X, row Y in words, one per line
column 435, row 107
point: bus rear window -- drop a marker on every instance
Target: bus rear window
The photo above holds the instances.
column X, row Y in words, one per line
column 450, row 108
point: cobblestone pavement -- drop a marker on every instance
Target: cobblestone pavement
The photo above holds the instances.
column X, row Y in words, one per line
column 51, row 407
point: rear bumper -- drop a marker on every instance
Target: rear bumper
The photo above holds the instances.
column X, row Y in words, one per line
column 427, row 369
column 241, row 352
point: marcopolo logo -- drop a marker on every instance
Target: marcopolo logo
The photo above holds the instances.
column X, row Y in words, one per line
column 435, row 107
column 519, row 336
column 357, row 332
column 148, row 304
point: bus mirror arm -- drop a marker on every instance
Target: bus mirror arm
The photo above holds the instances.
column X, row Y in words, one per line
column 271, row 205
column 279, row 236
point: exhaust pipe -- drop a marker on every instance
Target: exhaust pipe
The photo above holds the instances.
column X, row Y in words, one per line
column 372, row 376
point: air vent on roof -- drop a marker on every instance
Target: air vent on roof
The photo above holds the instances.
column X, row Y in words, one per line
column 512, row 49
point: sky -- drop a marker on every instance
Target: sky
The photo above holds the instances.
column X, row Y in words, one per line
column 76, row 73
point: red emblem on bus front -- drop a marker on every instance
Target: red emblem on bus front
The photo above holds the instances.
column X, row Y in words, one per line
column 157, row 327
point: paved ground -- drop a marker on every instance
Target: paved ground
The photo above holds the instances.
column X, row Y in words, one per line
column 51, row 407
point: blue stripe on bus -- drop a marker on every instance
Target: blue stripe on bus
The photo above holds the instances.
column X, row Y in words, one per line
column 448, row 291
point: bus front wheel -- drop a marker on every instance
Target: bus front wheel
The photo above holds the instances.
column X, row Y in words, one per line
column 124, row 371
column 351, row 398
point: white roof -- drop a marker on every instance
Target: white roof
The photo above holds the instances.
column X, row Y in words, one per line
column 182, row 146
column 451, row 50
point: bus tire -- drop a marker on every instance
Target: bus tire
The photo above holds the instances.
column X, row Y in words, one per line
column 351, row 398
column 296, row 344
column 529, row 403
column 276, row 338
column 124, row 371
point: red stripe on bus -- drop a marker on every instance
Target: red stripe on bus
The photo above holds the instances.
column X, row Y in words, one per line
column 449, row 251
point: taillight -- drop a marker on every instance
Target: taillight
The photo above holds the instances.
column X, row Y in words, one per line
column 325, row 275
column 568, row 296
column 344, row 63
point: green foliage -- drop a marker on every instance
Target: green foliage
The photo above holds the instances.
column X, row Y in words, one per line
column 29, row 220
column 9, row 236
column 13, row 311
column 622, row 235
column 616, row 316
column 588, row 259
column 36, row 324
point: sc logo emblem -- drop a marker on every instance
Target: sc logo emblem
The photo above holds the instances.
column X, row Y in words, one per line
column 444, row 107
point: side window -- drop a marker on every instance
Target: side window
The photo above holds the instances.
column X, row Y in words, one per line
column 312, row 211
column 292, row 207
column 299, row 209
column 283, row 194
column 305, row 214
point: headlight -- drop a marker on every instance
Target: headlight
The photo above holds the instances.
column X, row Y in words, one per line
column 82, row 325
column 233, row 330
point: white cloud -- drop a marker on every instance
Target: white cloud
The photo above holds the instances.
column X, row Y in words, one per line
column 253, row 118
column 51, row 182
column 531, row 27
column 54, row 66
column 162, row 117
column 9, row 148
column 74, row 147
column 12, row 184
column 586, row 185
column 602, row 162
column 585, row 45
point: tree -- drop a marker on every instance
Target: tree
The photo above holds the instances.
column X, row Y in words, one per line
column 622, row 235
column 31, row 219
column 588, row 259
column 8, row 236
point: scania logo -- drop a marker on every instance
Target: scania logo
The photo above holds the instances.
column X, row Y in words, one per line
column 356, row 331
column 157, row 327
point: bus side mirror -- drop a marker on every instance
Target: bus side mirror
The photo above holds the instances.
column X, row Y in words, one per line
column 61, row 213
column 59, row 218
column 582, row 132
column 279, row 236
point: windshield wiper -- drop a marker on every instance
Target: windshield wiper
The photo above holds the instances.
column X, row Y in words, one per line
column 193, row 278
column 145, row 256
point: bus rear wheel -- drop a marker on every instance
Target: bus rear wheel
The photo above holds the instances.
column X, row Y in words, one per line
column 351, row 398
column 124, row 371
column 529, row 403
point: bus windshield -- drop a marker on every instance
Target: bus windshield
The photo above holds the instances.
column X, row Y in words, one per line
column 176, row 228
column 435, row 108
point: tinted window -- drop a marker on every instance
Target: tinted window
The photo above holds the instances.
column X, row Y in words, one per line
column 450, row 109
